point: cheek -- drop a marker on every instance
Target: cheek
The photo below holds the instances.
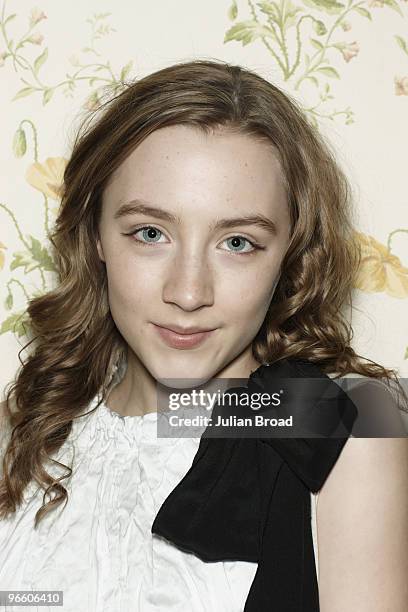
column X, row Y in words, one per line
column 131, row 287
column 247, row 306
column 130, row 294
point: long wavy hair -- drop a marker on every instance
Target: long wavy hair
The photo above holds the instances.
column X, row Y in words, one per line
column 75, row 343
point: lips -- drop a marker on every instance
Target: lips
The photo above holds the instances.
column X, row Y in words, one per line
column 175, row 339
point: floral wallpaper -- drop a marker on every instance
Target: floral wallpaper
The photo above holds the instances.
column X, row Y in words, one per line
column 57, row 61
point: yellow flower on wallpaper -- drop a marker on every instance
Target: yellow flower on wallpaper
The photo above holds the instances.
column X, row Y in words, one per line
column 2, row 256
column 47, row 177
column 380, row 271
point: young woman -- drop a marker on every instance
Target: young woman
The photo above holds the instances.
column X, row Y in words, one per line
column 205, row 231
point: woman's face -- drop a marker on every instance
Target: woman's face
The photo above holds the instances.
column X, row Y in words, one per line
column 193, row 265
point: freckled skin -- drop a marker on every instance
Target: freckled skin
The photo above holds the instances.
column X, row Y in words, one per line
column 189, row 274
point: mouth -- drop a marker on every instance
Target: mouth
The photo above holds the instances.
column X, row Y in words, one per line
column 176, row 339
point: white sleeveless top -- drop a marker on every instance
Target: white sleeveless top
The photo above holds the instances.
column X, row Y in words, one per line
column 99, row 549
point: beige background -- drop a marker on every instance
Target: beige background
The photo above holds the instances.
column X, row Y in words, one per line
column 360, row 97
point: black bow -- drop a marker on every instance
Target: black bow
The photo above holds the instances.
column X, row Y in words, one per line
column 248, row 499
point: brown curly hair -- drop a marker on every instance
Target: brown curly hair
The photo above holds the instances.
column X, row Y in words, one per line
column 75, row 340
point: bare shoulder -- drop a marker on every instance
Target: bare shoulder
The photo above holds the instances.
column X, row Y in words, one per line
column 367, row 465
column 377, row 456
column 382, row 409
column 362, row 520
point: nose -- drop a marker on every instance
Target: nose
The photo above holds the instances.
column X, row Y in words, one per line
column 189, row 282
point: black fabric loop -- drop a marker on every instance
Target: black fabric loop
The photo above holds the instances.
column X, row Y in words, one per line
column 248, row 499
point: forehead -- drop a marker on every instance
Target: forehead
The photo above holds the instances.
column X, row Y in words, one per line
column 178, row 166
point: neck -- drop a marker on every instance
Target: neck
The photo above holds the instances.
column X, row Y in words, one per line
column 136, row 393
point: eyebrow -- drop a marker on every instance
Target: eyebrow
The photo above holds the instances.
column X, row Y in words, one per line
column 142, row 207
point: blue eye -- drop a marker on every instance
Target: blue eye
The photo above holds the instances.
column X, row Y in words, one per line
column 149, row 233
column 152, row 234
column 239, row 239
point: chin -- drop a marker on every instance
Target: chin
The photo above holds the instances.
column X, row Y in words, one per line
column 182, row 376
